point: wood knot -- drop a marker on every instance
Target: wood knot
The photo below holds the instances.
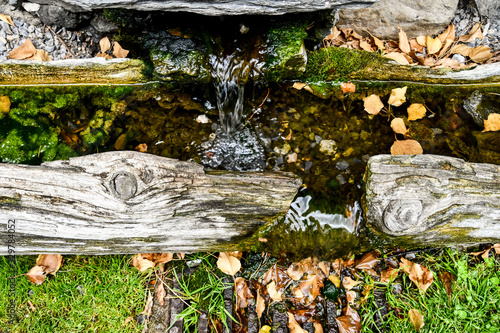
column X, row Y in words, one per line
column 402, row 215
column 123, row 185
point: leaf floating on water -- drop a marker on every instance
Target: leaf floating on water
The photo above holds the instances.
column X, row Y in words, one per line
column 404, row 45
column 492, row 123
column 373, row 104
column 480, row 54
column 26, row 50
column 398, row 126
column 228, row 264
column 419, row 274
column 416, row 111
column 348, row 87
column 406, row 147
column 299, row 85
column 433, row 44
column 4, row 104
column 104, row 44
column 416, row 318
column 397, row 96
column 118, row 51
column 7, row 18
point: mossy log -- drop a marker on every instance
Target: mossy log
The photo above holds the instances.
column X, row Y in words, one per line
column 131, row 202
column 72, row 71
column 427, row 200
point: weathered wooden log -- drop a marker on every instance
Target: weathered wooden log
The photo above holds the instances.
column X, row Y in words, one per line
column 433, row 200
column 131, row 202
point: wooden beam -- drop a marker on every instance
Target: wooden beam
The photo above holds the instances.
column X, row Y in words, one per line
column 131, row 202
column 433, row 200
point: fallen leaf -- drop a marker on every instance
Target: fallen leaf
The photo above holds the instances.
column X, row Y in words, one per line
column 480, row 54
column 128, row 320
column 26, row 50
column 447, row 278
column 350, row 322
column 317, row 327
column 433, row 44
column 121, row 142
column 228, row 264
column 397, row 96
column 104, row 44
column 351, row 296
column 299, row 85
column 496, row 247
column 404, row 45
column 461, row 49
column 378, row 43
column 448, row 34
column 416, row 318
column 349, row 283
column 348, row 87
column 369, row 259
column 406, row 147
column 160, row 293
column 265, row 329
column 388, row 275
column 118, row 51
column 242, row 292
column 104, row 55
column 474, row 33
column 365, row 46
column 398, row 57
column 311, row 286
column 419, row 274
column 142, row 147
column 7, row 18
column 4, row 104
column 142, row 264
column 415, row 45
column 36, row 275
column 149, row 305
column 398, row 126
column 373, row 104
column 261, row 305
column 325, row 267
column 293, row 326
column 273, row 293
column 416, row 111
column 448, row 62
column 492, row 123
column 295, row 271
column 297, row 293
column 421, row 40
column 447, row 44
column 45, row 264
column 335, row 280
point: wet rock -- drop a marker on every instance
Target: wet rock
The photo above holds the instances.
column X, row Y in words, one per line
column 342, row 165
column 488, row 144
column 55, row 15
column 479, row 106
column 328, row 147
column 414, row 17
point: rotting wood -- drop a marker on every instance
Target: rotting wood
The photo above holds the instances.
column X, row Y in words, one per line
column 72, row 71
column 433, row 200
column 131, row 202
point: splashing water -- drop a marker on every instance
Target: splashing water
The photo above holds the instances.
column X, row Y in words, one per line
column 235, row 147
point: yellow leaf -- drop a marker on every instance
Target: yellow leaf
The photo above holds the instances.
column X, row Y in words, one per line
column 480, row 54
column 474, row 33
column 349, row 283
column 492, row 124
column 406, row 147
column 433, row 44
column 104, row 44
column 299, row 85
column 260, row 306
column 293, row 326
column 398, row 57
column 445, row 48
column 4, row 104
column 297, row 292
column 24, row 51
column 398, row 126
column 421, row 40
column 416, row 318
column 118, row 51
column 228, row 264
column 335, row 280
column 378, row 43
column 273, row 293
column 373, row 104
column 317, row 327
column 448, row 34
column 416, row 111
column 397, row 96
column 404, row 45
column 419, row 274
column 265, row 329
column 461, row 49
column 7, row 18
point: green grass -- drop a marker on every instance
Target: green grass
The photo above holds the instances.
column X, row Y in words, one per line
column 471, row 307
column 88, row 294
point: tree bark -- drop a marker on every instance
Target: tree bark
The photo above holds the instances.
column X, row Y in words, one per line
column 131, row 202
column 433, row 200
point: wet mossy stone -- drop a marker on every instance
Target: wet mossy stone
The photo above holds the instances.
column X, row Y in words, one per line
column 488, row 144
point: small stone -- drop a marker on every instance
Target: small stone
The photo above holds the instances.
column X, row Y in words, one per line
column 30, row 7
column 202, row 119
column 342, row 165
column 340, row 179
column 328, row 147
column 31, row 28
column 308, row 165
column 291, row 158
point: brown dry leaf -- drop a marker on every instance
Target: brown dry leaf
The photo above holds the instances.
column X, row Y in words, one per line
column 416, row 318
column 398, row 126
column 317, row 327
column 447, row 278
column 388, row 275
column 404, row 45
column 448, row 34
column 433, row 44
column 325, row 267
column 365, row 46
column 242, row 292
column 397, row 96
column 473, row 34
column 373, row 104
column 419, row 274
column 142, row 147
column 480, row 54
column 349, row 283
column 398, row 57
column 406, row 147
column 429, row 62
column 36, row 274
column 127, row 320
column 348, row 87
column 351, row 296
column 293, row 326
column 45, row 264
column 416, row 111
column 121, row 142
column 295, row 271
column 148, row 308
column 299, row 85
column 447, row 44
column 4, row 104
column 297, row 293
column 378, row 43
column 228, row 264
column 492, row 123
column 24, row 51
column 141, row 263
column 160, row 293
column 236, row 254
column 449, row 63
column 461, row 49
column 369, row 259
column 496, row 247
column 104, row 55
column 261, row 305
column 311, row 286
column 415, row 45
column 40, row 55
column 273, row 293
column 421, row 40
column 7, row 18
column 104, row 44
column 118, row 51
column 350, row 322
